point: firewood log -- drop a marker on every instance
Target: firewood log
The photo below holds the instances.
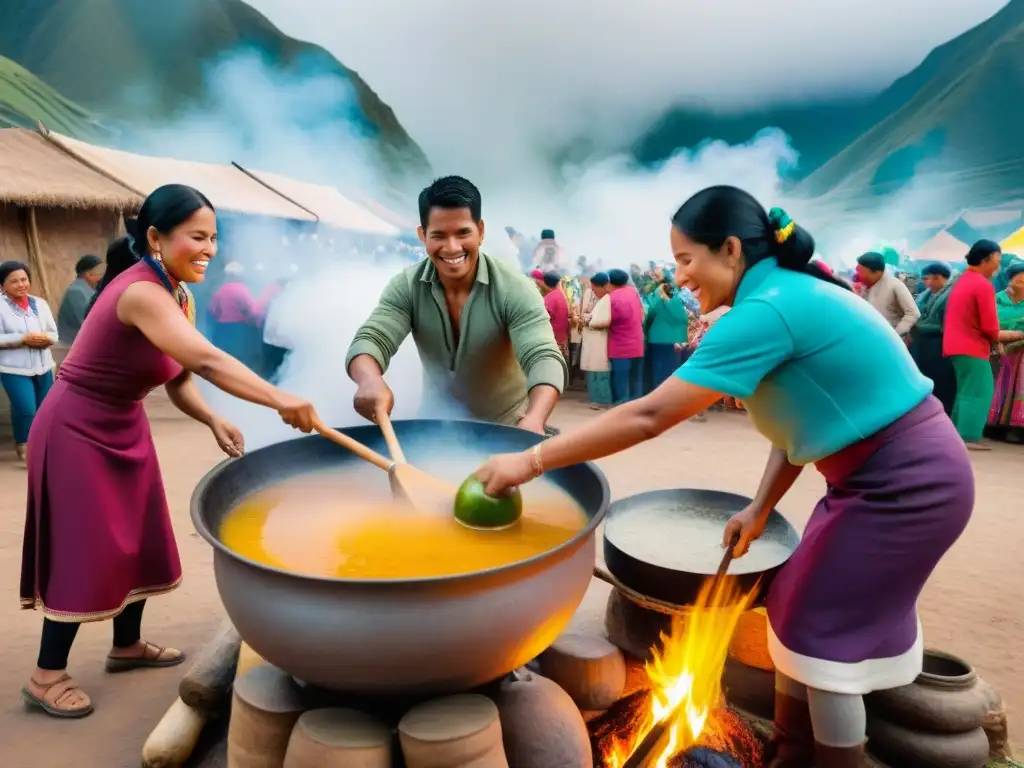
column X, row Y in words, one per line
column 338, row 738
column 207, row 685
column 172, row 741
column 265, row 707
column 454, row 732
column 590, row 669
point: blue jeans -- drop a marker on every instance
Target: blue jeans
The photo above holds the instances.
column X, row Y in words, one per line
column 26, row 394
column 665, row 360
column 627, row 379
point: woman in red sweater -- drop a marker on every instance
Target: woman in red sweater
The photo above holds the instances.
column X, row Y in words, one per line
column 970, row 332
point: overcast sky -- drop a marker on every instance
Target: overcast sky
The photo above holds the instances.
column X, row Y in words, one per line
column 527, row 71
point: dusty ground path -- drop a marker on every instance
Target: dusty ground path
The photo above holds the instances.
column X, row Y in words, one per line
column 973, row 606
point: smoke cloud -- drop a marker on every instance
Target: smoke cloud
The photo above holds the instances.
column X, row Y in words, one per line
column 305, row 125
column 483, row 88
column 320, row 313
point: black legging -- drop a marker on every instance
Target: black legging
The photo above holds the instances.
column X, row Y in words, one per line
column 59, row 636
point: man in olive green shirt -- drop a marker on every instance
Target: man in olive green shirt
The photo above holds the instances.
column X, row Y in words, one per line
column 480, row 327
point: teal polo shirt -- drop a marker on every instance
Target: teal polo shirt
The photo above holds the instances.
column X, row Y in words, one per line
column 816, row 366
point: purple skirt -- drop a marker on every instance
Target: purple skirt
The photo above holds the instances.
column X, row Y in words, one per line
column 843, row 610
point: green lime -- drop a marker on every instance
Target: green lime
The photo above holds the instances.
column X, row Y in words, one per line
column 475, row 509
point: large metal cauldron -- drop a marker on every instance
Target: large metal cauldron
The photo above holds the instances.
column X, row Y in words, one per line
column 416, row 636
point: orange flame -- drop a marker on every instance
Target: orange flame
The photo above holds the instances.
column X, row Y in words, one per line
column 686, row 674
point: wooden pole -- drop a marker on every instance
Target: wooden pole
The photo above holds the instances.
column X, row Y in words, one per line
column 35, row 256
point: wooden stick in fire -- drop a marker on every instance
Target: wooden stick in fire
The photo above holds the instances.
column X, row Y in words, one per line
column 654, row 737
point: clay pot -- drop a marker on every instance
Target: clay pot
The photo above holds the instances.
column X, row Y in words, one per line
column 460, row 731
column 635, row 630
column 750, row 640
column 906, row 748
column 945, row 698
column 540, row 724
column 589, row 668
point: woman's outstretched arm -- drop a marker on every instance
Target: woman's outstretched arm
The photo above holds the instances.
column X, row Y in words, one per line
column 615, row 430
column 629, row 424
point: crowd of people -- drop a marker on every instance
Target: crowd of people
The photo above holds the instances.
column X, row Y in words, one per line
column 623, row 333
column 965, row 332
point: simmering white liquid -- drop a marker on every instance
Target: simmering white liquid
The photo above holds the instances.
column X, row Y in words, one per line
column 669, row 536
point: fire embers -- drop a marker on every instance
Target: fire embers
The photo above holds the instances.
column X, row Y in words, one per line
column 727, row 741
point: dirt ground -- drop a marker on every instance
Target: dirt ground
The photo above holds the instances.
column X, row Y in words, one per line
column 973, row 606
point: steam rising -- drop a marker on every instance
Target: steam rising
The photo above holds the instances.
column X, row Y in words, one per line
column 322, row 311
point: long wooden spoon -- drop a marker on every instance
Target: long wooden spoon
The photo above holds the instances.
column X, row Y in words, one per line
column 388, row 430
column 422, row 491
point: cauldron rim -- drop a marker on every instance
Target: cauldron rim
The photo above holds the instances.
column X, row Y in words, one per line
column 196, row 513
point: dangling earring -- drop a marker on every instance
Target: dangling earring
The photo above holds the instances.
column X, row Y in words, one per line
column 158, row 257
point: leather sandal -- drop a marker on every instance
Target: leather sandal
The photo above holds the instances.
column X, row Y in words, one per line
column 53, row 698
column 152, row 656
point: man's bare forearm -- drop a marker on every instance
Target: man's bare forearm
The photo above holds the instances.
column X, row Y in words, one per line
column 543, row 399
column 364, row 368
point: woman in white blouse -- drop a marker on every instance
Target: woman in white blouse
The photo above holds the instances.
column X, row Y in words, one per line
column 27, row 331
column 597, row 316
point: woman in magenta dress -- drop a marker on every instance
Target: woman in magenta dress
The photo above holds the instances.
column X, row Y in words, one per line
column 98, row 538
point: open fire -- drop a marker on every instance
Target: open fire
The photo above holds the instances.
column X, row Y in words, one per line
column 686, row 675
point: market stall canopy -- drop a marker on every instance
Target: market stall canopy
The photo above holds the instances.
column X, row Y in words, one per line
column 942, row 247
column 34, row 172
column 327, row 203
column 379, row 209
column 1014, row 243
column 228, row 188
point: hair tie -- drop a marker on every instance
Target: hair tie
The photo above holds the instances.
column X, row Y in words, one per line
column 782, row 224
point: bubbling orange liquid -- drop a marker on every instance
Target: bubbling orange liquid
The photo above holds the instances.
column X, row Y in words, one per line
column 346, row 525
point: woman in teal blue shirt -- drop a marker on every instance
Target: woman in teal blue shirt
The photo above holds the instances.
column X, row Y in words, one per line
column 828, row 382
column 666, row 327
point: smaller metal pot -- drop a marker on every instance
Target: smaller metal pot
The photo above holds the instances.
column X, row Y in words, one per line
column 679, row 584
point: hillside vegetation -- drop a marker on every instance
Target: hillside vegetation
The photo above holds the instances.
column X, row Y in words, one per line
column 25, row 99
column 135, row 62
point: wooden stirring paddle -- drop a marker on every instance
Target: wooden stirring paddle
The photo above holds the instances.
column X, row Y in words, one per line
column 423, row 492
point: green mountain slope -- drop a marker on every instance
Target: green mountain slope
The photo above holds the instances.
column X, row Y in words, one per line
column 25, row 100
column 956, row 120
column 817, row 129
column 137, row 61
column 956, row 117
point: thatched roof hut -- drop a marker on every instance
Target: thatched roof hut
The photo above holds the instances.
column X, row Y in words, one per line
column 33, row 174
column 227, row 187
column 53, row 210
